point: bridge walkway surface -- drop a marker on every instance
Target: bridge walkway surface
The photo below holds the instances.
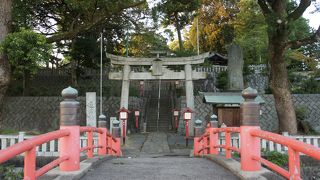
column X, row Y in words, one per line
column 156, row 156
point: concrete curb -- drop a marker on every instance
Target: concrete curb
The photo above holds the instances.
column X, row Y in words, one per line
column 235, row 167
column 85, row 166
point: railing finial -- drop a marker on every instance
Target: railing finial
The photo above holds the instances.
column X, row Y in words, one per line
column 250, row 109
column 69, row 107
column 102, row 123
column 249, row 94
column 69, row 93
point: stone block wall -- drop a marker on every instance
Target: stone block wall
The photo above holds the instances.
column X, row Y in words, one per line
column 311, row 102
column 268, row 119
column 42, row 113
column 202, row 111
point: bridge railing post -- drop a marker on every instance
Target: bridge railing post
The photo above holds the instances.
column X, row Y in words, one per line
column 213, row 136
column 69, row 119
column 30, row 164
column 249, row 145
column 228, row 144
column 90, row 144
column 197, row 133
column 116, row 134
column 102, row 137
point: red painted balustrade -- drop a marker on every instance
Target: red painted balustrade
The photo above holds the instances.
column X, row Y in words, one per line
column 69, row 149
column 250, row 149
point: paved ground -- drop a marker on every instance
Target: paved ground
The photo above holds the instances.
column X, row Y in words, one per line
column 157, row 156
column 159, row 168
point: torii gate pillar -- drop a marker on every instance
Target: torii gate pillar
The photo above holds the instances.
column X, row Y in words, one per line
column 189, row 93
column 125, row 87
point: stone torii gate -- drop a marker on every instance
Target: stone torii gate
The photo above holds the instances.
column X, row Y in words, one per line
column 159, row 71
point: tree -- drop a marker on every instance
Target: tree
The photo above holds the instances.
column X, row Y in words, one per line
column 216, row 28
column 178, row 13
column 251, row 32
column 5, row 22
column 63, row 22
column 141, row 44
column 279, row 16
column 26, row 51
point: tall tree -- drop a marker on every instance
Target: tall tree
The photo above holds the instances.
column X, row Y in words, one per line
column 178, row 13
column 26, row 50
column 279, row 16
column 5, row 23
column 216, row 27
column 141, row 44
column 251, row 32
column 63, row 22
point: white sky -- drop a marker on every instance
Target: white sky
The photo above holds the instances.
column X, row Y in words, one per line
column 314, row 19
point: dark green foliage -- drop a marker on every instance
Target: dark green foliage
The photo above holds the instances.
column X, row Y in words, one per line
column 26, row 50
column 133, row 91
column 276, row 157
column 236, row 155
column 301, row 113
column 222, row 80
column 142, row 43
column 304, row 84
column 178, row 13
column 304, row 125
column 8, row 173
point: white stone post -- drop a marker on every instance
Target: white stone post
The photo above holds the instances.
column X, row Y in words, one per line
column 21, row 136
column 91, row 109
column 189, row 95
column 125, row 87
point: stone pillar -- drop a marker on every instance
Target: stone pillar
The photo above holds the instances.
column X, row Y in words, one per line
column 189, row 94
column 116, row 129
column 125, row 87
column 69, row 120
column 198, row 128
column 102, row 123
column 250, row 145
column 235, row 68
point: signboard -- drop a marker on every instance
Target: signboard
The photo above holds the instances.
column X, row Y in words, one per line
column 187, row 115
column 91, row 109
column 123, row 115
column 136, row 113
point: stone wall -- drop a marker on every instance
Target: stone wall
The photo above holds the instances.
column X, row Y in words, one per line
column 268, row 119
column 311, row 102
column 42, row 113
column 202, row 111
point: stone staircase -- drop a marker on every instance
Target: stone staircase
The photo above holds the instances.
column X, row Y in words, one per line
column 165, row 113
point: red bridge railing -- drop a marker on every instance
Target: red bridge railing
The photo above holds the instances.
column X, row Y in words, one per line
column 250, row 147
column 69, row 142
column 251, row 159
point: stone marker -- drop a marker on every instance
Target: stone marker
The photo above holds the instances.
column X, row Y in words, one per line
column 91, row 109
column 112, row 119
column 235, row 68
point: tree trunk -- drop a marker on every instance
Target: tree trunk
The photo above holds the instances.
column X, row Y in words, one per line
column 26, row 83
column 179, row 32
column 280, row 86
column 73, row 64
column 5, row 23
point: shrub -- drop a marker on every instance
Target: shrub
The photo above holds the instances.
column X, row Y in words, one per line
column 9, row 173
column 222, row 80
column 276, row 158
